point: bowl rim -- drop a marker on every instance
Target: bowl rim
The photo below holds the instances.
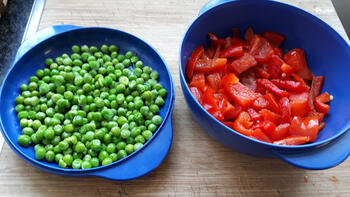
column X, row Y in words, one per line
column 45, row 165
column 228, row 129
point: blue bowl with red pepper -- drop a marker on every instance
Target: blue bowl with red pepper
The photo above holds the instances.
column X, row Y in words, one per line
column 327, row 53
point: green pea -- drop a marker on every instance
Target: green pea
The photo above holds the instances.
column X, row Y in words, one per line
column 23, row 140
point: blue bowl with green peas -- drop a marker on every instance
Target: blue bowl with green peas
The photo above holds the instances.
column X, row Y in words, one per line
column 88, row 102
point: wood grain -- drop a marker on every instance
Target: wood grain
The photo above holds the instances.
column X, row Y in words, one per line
column 196, row 165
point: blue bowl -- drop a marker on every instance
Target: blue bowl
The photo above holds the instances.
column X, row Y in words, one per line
column 54, row 41
column 327, row 54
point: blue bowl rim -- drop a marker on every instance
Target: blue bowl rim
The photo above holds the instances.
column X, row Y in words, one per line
column 71, row 170
column 273, row 146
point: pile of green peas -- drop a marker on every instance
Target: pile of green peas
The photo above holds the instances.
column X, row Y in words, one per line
column 91, row 108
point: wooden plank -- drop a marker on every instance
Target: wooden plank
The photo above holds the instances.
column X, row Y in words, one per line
column 196, row 165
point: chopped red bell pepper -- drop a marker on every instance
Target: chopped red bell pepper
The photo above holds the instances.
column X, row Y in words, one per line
column 293, row 140
column 259, row 135
column 272, row 87
column 261, row 49
column 214, row 80
column 254, row 115
column 260, row 103
column 271, row 116
column 281, row 132
column 242, row 64
column 269, row 128
column 243, row 123
column 317, row 115
column 234, row 51
column 210, row 105
column 316, row 86
column 197, row 94
column 296, row 59
column 195, row 55
column 249, row 34
column 274, row 67
column 215, row 40
column 307, row 127
column 228, row 79
column 240, row 94
column 211, row 65
column 198, row 80
column 285, row 110
column 299, row 104
column 320, row 102
column 289, row 85
column 273, row 102
column 224, row 105
column 274, row 38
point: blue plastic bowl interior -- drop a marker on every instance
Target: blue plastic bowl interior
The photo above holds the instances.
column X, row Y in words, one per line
column 327, row 52
column 55, row 46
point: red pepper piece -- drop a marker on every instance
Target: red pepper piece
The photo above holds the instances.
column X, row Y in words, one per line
column 196, row 54
column 316, row 86
column 271, row 116
column 273, row 103
column 259, row 135
column 289, row 85
column 227, row 42
column 211, row 65
column 281, row 132
column 269, row 127
column 223, row 104
column 214, row 80
column 234, row 51
column 215, row 40
column 307, row 127
column 274, row 38
column 316, row 114
column 260, row 103
column 243, row 63
column 296, row 59
column 285, row 109
column 321, row 126
column 293, row 140
column 240, row 94
column 274, row 67
column 209, row 104
column 320, row 102
column 198, row 80
column 249, row 34
column 261, row 49
column 234, row 114
column 197, row 93
column 299, row 104
column 228, row 79
column 254, row 115
column 272, row 87
column 243, row 123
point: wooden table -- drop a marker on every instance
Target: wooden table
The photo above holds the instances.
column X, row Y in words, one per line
column 196, row 165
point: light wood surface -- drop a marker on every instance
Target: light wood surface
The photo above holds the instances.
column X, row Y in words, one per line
column 196, row 165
